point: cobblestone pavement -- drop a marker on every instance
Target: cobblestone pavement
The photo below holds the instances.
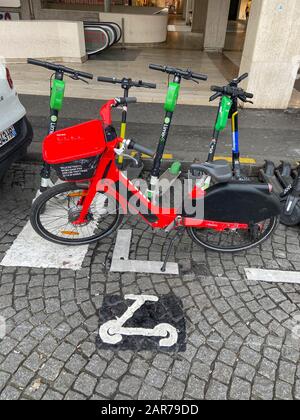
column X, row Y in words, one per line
column 239, row 333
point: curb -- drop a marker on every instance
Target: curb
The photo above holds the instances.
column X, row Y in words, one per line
column 249, row 170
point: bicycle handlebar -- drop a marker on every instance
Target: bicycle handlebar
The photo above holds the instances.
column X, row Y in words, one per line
column 126, row 101
column 141, row 149
column 127, row 82
column 60, row 68
column 185, row 74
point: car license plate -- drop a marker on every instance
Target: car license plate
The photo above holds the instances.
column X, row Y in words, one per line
column 7, row 135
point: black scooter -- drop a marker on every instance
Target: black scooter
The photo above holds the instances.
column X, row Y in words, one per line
column 290, row 201
column 286, row 184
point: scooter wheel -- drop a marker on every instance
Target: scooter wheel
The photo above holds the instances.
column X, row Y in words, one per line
column 293, row 219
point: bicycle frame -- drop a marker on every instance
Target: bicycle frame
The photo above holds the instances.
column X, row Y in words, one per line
column 110, row 180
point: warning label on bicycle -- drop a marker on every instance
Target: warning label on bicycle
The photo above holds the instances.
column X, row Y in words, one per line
column 142, row 322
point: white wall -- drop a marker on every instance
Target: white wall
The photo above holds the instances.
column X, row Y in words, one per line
column 42, row 39
column 140, row 29
column 10, row 3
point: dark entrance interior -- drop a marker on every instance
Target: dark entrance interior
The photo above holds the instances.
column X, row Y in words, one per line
column 234, row 9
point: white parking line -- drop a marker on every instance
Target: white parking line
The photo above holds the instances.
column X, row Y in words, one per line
column 30, row 250
column 272, row 276
column 121, row 263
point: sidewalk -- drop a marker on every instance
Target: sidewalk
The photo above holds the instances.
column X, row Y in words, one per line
column 134, row 62
column 242, row 336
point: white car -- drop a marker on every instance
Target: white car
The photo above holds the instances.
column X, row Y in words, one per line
column 15, row 130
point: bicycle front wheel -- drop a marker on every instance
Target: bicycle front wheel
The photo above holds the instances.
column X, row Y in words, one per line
column 234, row 240
column 54, row 212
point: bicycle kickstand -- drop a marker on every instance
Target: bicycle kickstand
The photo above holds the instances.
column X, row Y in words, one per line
column 179, row 233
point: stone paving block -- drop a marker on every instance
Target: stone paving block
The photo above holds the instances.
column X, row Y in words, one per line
column 216, row 391
column 85, row 384
column 263, row 388
column 96, row 366
column 240, row 390
column 148, row 393
column 130, row 385
column 51, row 370
column 107, row 387
column 12, row 362
column 22, row 377
column 139, row 367
column 116, row 369
column 195, row 388
column 10, row 394
column 4, row 377
column 173, row 389
column 155, row 378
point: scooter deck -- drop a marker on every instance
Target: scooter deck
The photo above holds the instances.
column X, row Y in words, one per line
column 267, row 175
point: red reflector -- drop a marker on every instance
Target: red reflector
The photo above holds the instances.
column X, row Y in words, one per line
column 270, row 188
column 9, row 79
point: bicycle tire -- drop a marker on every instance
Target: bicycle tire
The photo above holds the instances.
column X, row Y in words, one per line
column 105, row 39
column 39, row 213
column 271, row 228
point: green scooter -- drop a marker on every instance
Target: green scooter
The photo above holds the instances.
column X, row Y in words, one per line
column 57, row 95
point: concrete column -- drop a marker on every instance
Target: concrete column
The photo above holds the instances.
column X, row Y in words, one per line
column 25, row 10
column 272, row 52
column 199, row 15
column 189, row 7
column 107, row 6
column 216, row 25
column 184, row 8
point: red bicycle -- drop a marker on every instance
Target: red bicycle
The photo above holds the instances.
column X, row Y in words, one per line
column 228, row 216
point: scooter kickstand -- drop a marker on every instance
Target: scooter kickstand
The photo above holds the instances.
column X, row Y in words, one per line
column 178, row 233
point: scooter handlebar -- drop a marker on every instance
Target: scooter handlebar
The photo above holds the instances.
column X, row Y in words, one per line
column 185, row 74
column 109, row 80
column 60, row 68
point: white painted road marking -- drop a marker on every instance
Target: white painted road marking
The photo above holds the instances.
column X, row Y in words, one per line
column 121, row 263
column 122, row 247
column 30, row 250
column 273, row 276
column 112, row 332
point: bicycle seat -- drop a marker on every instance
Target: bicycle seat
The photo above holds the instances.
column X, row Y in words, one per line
column 219, row 170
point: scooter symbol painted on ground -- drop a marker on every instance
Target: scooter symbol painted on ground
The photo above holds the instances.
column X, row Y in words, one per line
column 112, row 332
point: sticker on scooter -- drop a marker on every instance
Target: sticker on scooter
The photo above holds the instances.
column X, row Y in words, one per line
column 142, row 322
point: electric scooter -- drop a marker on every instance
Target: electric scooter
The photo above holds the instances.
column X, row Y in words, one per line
column 57, row 95
column 290, row 202
column 127, row 84
column 286, row 184
column 228, row 109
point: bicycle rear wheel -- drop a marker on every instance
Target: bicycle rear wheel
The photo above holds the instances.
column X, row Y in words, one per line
column 234, row 240
column 54, row 212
